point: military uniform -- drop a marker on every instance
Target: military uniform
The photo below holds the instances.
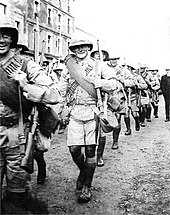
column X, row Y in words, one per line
column 129, row 92
column 102, row 136
column 82, row 118
column 118, row 93
column 142, row 97
column 153, row 87
column 36, row 87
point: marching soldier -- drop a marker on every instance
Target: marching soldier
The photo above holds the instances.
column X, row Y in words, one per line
column 79, row 82
column 153, row 82
column 112, row 62
column 102, row 136
column 129, row 82
column 142, row 97
column 145, row 96
column 36, row 87
column 38, row 155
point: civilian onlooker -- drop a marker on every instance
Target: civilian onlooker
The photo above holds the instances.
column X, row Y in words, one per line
column 165, row 87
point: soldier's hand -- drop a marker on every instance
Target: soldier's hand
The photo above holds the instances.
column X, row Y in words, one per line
column 121, row 79
column 20, row 76
column 98, row 83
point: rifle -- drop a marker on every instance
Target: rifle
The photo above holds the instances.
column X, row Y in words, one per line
column 42, row 56
column 103, row 116
column 27, row 161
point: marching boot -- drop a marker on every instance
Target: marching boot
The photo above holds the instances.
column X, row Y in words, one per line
column 140, row 113
column 143, row 116
column 100, row 150
column 137, row 123
column 155, row 113
column 39, row 157
column 80, row 163
column 116, row 133
column 148, row 113
column 127, row 123
column 86, row 193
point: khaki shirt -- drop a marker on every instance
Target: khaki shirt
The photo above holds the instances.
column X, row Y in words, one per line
column 41, row 89
column 83, row 102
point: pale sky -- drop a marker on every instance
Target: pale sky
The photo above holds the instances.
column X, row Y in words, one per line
column 136, row 29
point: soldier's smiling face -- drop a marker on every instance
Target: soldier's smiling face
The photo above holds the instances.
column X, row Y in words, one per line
column 5, row 42
column 97, row 55
column 113, row 62
column 81, row 51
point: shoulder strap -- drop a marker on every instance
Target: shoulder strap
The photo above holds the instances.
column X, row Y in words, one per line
column 24, row 65
column 74, row 70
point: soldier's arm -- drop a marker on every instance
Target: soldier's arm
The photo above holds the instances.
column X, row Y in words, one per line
column 129, row 80
column 63, row 86
column 40, row 87
column 108, row 79
column 141, row 84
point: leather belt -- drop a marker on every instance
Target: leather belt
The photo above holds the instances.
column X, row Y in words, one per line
column 8, row 121
column 81, row 102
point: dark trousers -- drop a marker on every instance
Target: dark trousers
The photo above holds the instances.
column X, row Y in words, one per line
column 167, row 109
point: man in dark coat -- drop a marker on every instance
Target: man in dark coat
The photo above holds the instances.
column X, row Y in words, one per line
column 165, row 87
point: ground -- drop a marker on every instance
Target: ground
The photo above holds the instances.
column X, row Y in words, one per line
column 135, row 179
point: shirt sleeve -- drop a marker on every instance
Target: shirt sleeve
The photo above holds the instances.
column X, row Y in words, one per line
column 41, row 88
column 141, row 83
column 108, row 78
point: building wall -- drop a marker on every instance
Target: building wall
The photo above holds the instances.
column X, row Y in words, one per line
column 55, row 22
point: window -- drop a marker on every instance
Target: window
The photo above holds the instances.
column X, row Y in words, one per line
column 59, row 22
column 49, row 16
column 68, row 47
column 68, row 26
column 17, row 25
column 58, row 46
column 59, row 3
column 59, row 17
column 68, row 7
column 36, row 7
column 2, row 8
column 49, row 43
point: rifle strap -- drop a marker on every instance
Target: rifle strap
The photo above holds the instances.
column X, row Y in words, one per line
column 21, row 135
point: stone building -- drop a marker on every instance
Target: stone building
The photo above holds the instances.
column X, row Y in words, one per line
column 51, row 20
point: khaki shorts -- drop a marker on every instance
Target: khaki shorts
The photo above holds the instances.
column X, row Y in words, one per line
column 81, row 132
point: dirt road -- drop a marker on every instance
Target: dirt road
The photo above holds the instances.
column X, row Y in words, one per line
column 135, row 179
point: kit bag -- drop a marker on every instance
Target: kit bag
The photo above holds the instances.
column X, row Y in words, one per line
column 48, row 120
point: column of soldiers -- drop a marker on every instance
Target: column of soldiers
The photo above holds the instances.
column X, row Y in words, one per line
column 86, row 78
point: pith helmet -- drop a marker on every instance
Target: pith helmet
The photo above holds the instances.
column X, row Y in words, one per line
column 113, row 56
column 103, row 51
column 142, row 65
column 5, row 25
column 131, row 65
column 22, row 47
column 78, row 42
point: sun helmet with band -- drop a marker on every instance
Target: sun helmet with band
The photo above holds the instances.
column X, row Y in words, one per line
column 95, row 53
column 113, row 59
column 77, row 46
column 7, row 28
